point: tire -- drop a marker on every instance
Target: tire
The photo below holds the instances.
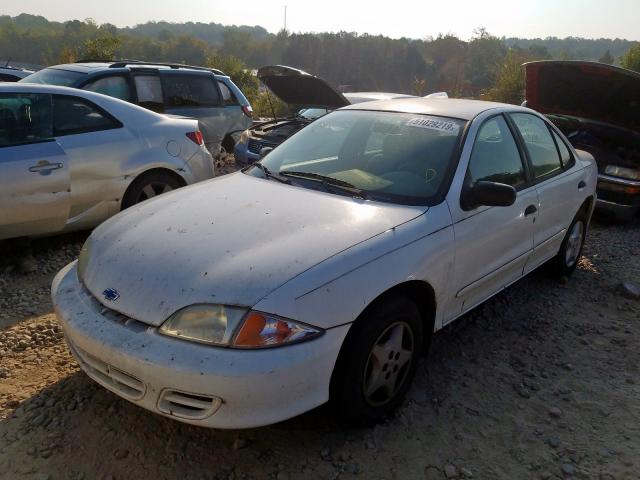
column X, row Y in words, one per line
column 566, row 261
column 149, row 185
column 377, row 362
column 228, row 143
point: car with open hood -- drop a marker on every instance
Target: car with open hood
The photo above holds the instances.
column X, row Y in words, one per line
column 597, row 106
column 321, row 272
column 308, row 96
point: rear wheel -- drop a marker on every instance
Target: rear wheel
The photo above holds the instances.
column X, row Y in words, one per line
column 566, row 261
column 150, row 185
column 377, row 362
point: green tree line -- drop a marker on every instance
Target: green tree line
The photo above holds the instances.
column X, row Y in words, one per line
column 483, row 67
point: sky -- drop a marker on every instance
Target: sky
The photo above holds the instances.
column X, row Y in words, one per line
column 408, row 18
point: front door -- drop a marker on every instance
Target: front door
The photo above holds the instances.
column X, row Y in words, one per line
column 492, row 244
column 34, row 169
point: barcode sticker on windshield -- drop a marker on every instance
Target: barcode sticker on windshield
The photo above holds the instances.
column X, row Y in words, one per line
column 439, row 125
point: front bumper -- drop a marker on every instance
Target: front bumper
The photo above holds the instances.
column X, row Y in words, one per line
column 193, row 383
column 618, row 197
column 243, row 155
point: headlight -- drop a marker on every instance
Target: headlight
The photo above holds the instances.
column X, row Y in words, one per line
column 622, row 172
column 235, row 327
column 83, row 258
column 244, row 137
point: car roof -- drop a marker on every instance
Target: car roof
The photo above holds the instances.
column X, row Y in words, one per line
column 91, row 67
column 442, row 107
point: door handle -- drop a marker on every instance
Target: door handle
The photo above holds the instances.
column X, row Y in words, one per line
column 582, row 184
column 44, row 166
column 530, row 210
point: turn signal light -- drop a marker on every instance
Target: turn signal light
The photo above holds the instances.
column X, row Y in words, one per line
column 247, row 110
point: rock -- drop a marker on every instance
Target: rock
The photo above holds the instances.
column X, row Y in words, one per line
column 432, row 473
column 466, row 472
column 121, row 454
column 554, row 442
column 555, row 412
column 325, row 454
column 568, row 469
column 27, row 264
column 239, row 443
column 629, row 290
column 450, row 471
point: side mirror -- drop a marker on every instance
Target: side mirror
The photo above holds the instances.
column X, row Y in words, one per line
column 264, row 151
column 490, row 194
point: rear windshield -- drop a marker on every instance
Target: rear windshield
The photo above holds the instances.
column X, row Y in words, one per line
column 54, row 76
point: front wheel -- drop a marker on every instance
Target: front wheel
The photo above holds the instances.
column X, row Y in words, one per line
column 566, row 261
column 377, row 362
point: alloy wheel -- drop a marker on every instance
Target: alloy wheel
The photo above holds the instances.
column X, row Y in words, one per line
column 574, row 243
column 388, row 364
column 153, row 189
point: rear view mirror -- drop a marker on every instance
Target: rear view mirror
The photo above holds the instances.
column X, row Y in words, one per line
column 264, row 151
column 490, row 194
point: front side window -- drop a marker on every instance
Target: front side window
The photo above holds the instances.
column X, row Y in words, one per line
column 114, row 86
column 24, row 118
column 539, row 143
column 72, row 115
column 495, row 156
column 54, row 76
column 410, row 164
column 149, row 92
column 190, row 91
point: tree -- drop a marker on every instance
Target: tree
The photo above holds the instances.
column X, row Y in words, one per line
column 631, row 59
column 509, row 86
column 607, row 58
column 101, row 48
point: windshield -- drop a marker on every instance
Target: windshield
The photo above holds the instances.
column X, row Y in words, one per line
column 54, row 76
column 312, row 113
column 388, row 156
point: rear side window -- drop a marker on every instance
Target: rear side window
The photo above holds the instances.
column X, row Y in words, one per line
column 190, row 91
column 24, row 118
column 565, row 154
column 495, row 156
column 72, row 115
column 149, row 92
column 8, row 78
column 539, row 143
column 114, row 86
column 228, row 98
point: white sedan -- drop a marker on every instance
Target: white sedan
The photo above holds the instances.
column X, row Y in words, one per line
column 69, row 159
column 321, row 272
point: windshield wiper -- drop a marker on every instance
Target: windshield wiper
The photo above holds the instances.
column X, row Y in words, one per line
column 269, row 174
column 327, row 182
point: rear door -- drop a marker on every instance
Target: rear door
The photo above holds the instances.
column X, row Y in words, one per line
column 557, row 183
column 197, row 95
column 98, row 147
column 34, row 169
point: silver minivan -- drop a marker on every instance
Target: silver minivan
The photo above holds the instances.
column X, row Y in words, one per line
column 205, row 94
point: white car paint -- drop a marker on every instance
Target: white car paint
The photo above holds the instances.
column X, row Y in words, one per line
column 307, row 255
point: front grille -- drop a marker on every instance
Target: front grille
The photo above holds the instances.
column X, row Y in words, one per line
column 111, row 314
column 108, row 376
column 188, row 405
column 256, row 145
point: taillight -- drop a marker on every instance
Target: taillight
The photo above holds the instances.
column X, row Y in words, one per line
column 196, row 137
column 247, row 110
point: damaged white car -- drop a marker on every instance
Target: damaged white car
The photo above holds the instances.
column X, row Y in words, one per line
column 321, row 272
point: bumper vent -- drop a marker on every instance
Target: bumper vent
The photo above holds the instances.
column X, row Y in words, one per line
column 108, row 376
column 188, row 405
column 255, row 146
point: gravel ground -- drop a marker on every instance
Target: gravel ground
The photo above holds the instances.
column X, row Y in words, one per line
column 540, row 382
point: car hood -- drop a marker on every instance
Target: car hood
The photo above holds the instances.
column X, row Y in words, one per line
column 588, row 90
column 231, row 240
column 300, row 89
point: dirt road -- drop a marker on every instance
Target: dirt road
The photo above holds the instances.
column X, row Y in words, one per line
column 541, row 382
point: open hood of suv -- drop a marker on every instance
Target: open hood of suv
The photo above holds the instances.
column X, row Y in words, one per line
column 300, row 89
column 588, row 90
